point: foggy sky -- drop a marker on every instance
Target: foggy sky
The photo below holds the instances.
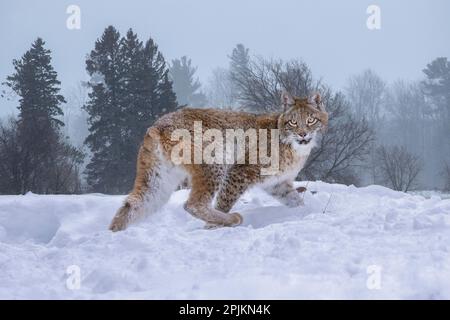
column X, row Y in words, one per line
column 330, row 36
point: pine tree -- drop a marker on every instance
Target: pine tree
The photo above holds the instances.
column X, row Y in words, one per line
column 437, row 84
column 185, row 84
column 437, row 89
column 148, row 95
column 160, row 94
column 103, row 107
column 239, row 69
column 132, row 109
column 35, row 81
column 46, row 159
column 133, row 91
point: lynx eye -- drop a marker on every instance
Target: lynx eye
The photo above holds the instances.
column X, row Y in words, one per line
column 311, row 121
column 292, row 123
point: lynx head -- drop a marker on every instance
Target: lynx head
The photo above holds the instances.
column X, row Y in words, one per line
column 302, row 120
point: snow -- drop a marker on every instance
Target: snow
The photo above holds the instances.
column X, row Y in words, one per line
column 97, row 78
column 278, row 253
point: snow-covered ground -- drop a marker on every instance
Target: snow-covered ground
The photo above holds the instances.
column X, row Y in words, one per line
column 370, row 243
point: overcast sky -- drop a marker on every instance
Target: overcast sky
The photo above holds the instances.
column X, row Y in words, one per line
column 331, row 36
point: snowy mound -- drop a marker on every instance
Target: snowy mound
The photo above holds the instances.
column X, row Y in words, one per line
column 369, row 243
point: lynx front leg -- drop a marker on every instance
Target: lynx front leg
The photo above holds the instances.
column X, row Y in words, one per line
column 199, row 203
column 286, row 194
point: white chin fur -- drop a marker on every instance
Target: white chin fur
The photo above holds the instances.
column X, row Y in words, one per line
column 301, row 149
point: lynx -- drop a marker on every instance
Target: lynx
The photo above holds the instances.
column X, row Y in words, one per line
column 158, row 175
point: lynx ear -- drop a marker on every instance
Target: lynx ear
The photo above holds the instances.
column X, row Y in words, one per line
column 286, row 99
column 316, row 100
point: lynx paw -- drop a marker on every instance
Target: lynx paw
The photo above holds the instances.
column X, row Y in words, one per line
column 294, row 201
column 237, row 219
column 118, row 224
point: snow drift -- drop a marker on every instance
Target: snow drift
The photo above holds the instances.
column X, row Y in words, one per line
column 278, row 253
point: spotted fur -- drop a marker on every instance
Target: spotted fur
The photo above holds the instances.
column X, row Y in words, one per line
column 157, row 176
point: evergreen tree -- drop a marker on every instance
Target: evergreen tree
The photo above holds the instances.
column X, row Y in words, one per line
column 104, row 109
column 48, row 164
column 239, row 69
column 185, row 84
column 133, row 107
column 35, row 81
column 437, row 89
column 437, row 85
column 134, row 92
column 10, row 159
column 147, row 95
column 158, row 95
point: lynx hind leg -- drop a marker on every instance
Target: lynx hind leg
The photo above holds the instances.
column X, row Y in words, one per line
column 129, row 212
column 199, row 203
column 156, row 179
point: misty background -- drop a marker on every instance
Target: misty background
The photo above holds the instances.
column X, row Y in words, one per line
column 373, row 79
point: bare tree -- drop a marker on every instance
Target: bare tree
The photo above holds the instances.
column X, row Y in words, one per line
column 343, row 148
column 75, row 117
column 260, row 90
column 399, row 168
column 366, row 92
column 408, row 115
column 220, row 90
column 60, row 175
column 345, row 144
